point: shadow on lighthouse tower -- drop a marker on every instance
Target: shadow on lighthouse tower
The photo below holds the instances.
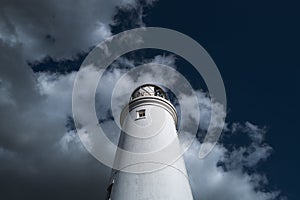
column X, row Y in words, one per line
column 149, row 163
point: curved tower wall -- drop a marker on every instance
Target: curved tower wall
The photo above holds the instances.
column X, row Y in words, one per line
column 149, row 124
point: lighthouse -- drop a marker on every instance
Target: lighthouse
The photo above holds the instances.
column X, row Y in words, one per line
column 148, row 164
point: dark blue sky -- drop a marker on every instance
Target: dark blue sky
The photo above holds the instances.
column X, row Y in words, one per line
column 255, row 45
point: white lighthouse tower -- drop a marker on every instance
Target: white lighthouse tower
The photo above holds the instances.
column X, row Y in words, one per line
column 146, row 168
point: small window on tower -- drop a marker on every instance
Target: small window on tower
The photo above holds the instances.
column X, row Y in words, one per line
column 140, row 114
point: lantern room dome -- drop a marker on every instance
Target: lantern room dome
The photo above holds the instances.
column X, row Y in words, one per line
column 148, row 90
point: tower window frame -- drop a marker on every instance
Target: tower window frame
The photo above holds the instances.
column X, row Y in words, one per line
column 141, row 114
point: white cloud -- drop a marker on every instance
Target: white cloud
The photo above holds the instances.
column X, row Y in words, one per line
column 211, row 181
column 251, row 155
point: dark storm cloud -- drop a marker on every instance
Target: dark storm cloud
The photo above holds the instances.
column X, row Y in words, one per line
column 40, row 157
column 35, row 162
column 58, row 28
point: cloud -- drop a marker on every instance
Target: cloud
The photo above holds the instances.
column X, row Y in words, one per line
column 41, row 158
column 60, row 150
column 222, row 174
column 58, row 28
column 41, row 155
column 35, row 138
column 131, row 15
